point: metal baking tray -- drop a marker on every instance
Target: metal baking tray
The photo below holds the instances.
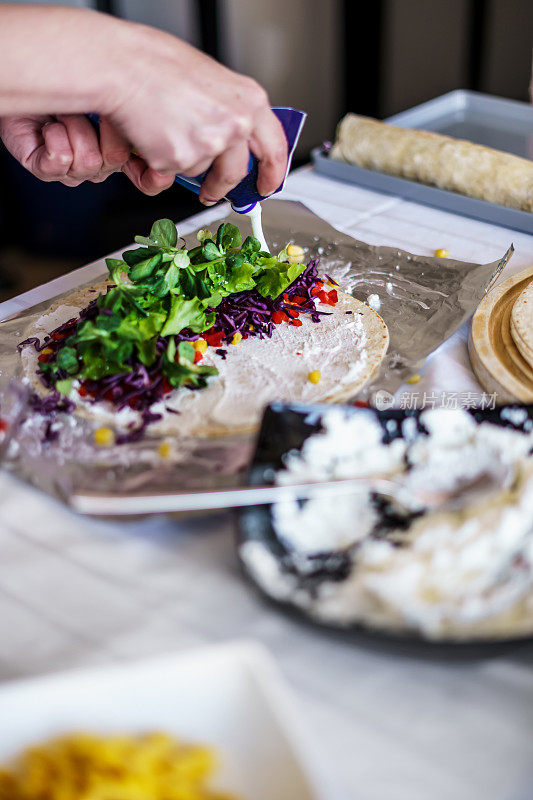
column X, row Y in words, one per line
column 492, row 121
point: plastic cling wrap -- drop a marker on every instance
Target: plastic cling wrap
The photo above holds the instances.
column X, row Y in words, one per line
column 422, row 300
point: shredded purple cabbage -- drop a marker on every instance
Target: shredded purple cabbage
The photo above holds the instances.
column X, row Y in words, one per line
column 32, row 340
column 51, row 404
column 237, row 312
column 133, row 435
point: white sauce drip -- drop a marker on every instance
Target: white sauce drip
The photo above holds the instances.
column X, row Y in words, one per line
column 255, row 215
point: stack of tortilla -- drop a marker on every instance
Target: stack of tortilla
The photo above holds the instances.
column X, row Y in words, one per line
column 521, row 325
column 501, row 339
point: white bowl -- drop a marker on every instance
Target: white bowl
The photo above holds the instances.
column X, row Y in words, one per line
column 229, row 696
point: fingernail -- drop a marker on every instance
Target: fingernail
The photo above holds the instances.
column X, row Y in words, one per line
column 208, row 202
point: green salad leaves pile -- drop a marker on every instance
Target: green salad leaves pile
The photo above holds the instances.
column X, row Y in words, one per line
column 160, row 289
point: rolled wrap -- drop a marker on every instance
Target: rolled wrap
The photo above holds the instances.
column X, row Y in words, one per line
column 437, row 160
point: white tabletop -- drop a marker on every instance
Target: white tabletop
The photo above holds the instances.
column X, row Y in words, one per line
column 393, row 726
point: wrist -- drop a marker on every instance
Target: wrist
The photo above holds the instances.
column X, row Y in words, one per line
column 110, row 65
column 125, row 57
column 66, row 60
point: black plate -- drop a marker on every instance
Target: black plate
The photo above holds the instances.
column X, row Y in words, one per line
column 286, row 427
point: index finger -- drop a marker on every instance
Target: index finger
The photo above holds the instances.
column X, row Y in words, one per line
column 269, row 144
column 146, row 179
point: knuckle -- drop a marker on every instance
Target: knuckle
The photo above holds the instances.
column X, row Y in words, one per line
column 159, row 164
column 180, row 165
column 256, row 96
column 242, row 127
column 171, row 163
column 210, row 146
column 91, row 162
column 180, row 158
column 172, row 155
column 117, row 157
column 48, row 168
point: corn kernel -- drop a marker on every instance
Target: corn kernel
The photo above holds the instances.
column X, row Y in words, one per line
column 104, row 437
column 296, row 253
column 442, row 252
column 164, row 450
column 47, row 351
column 295, row 250
column 236, row 338
column 200, row 345
column 414, row 379
column 314, row 376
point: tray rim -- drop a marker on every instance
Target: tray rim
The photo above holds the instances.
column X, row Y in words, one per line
column 459, row 100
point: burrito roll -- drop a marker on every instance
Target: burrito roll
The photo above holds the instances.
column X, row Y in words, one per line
column 437, row 160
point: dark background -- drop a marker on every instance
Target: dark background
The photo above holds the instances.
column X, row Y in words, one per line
column 325, row 56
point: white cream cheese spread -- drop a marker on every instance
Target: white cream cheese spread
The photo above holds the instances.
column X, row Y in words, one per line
column 254, row 373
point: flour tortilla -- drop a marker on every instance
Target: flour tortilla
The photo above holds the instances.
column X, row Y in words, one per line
column 522, row 366
column 437, row 160
column 347, row 346
column 522, row 323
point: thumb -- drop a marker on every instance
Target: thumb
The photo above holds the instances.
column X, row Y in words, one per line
column 22, row 135
column 40, row 144
column 52, row 159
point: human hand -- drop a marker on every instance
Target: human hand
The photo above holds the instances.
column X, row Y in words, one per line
column 187, row 113
column 179, row 108
column 66, row 148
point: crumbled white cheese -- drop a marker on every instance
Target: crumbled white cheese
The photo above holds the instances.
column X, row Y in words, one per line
column 458, row 570
column 374, row 301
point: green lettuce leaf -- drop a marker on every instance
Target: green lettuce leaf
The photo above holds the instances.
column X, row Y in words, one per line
column 164, row 233
column 275, row 278
column 241, row 278
column 185, row 314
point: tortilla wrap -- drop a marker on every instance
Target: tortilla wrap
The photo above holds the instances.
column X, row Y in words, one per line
column 346, row 346
column 437, row 160
column 522, row 323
